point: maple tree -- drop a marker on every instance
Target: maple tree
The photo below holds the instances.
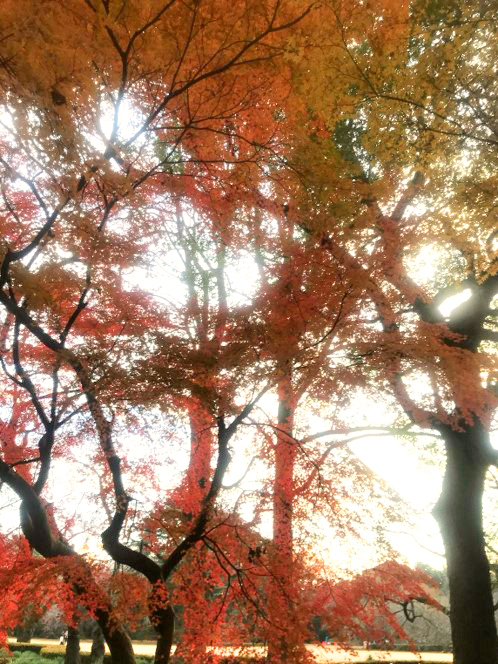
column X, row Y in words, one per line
column 189, row 501
column 208, row 319
column 292, row 311
column 31, row 419
column 296, row 315
column 85, row 177
column 171, row 128
column 419, row 141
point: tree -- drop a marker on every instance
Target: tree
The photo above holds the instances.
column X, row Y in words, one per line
column 294, row 284
column 302, row 287
column 412, row 122
column 28, row 411
column 56, row 231
column 141, row 120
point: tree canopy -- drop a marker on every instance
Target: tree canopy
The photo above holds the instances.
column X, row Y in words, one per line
column 223, row 226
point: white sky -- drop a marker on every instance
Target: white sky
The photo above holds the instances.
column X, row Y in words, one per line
column 420, row 487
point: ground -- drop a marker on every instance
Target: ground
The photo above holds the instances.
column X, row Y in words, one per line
column 323, row 654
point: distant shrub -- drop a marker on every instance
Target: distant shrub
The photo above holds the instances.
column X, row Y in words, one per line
column 23, row 647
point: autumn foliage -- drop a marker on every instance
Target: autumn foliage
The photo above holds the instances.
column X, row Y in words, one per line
column 226, row 231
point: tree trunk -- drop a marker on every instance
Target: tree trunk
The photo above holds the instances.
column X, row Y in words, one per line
column 24, row 635
column 198, row 475
column 98, row 646
column 116, row 637
column 459, row 514
column 285, row 640
column 197, row 628
column 72, row 655
column 163, row 620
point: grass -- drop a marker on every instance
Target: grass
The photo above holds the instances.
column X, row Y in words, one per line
column 52, row 656
column 55, row 655
column 29, row 657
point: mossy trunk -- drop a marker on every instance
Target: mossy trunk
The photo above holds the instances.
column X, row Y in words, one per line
column 98, row 646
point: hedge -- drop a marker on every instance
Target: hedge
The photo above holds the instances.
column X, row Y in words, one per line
column 52, row 652
column 32, row 647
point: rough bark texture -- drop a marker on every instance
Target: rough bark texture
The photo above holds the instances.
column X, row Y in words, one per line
column 164, row 628
column 459, row 514
column 72, row 655
column 98, row 646
column 117, row 639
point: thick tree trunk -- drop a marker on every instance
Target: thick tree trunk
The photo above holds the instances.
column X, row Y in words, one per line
column 199, row 472
column 72, row 655
column 116, row 637
column 459, row 514
column 98, row 646
column 163, row 620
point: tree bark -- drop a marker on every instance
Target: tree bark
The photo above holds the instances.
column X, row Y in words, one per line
column 98, row 648
column 72, row 655
column 165, row 628
column 285, row 640
column 24, row 635
column 163, row 620
column 197, row 627
column 116, row 637
column 459, row 514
